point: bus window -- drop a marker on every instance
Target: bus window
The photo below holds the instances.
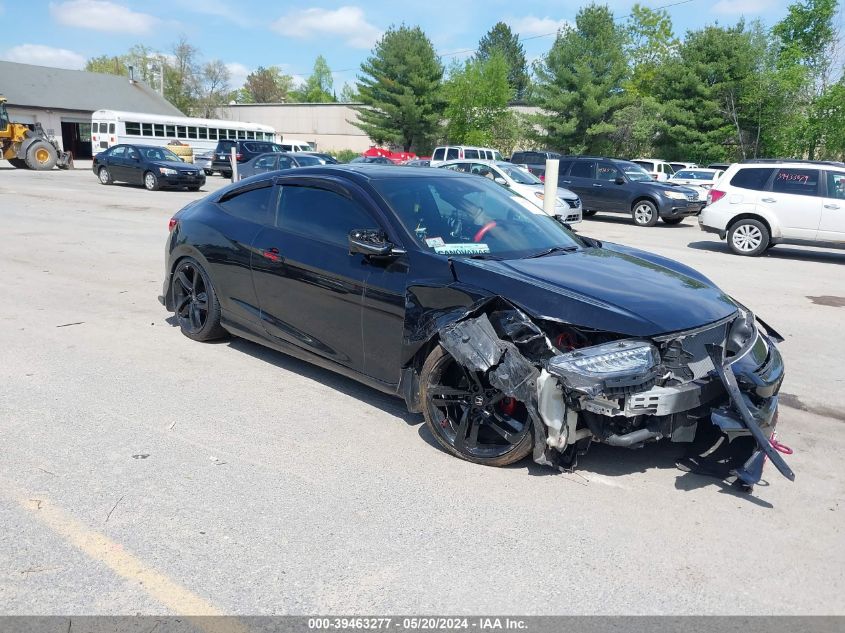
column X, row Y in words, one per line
column 111, row 128
column 170, row 130
column 203, row 132
column 212, row 133
column 146, row 129
column 181, row 132
column 250, row 135
column 133, row 128
column 232, row 134
column 192, row 132
column 241, row 134
column 158, row 128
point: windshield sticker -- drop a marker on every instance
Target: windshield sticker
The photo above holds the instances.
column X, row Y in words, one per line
column 462, row 249
column 434, row 241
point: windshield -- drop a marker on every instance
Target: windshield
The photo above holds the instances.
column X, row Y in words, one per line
column 159, row 153
column 694, row 175
column 519, row 175
column 471, row 216
column 307, row 160
column 634, row 172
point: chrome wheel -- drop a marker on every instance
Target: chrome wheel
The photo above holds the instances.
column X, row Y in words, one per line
column 747, row 238
column 105, row 177
column 150, row 181
column 643, row 214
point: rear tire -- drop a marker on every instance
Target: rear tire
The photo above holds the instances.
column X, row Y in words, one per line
column 226, row 174
column 151, row 182
column 105, row 176
column 41, row 156
column 672, row 221
column 588, row 214
column 749, row 237
column 195, row 303
column 645, row 213
column 193, row 188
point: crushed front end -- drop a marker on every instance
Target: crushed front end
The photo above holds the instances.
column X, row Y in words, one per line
column 713, row 387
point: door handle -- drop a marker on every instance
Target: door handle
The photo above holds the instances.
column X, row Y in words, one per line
column 568, row 182
column 595, row 184
column 272, row 254
column 831, row 206
column 768, row 200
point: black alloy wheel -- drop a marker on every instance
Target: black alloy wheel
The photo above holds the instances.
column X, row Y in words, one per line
column 470, row 418
column 195, row 303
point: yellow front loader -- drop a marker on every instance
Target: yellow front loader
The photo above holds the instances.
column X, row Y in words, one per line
column 27, row 146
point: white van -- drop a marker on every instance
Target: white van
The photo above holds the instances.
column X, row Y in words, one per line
column 296, row 145
column 462, row 152
column 658, row 169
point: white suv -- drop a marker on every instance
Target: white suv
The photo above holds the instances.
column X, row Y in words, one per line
column 760, row 203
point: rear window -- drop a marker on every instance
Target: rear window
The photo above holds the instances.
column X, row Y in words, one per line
column 803, row 182
column 452, row 153
column 751, row 178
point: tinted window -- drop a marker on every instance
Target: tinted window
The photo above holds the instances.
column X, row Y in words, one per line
column 309, row 161
column 265, row 163
column 117, row 152
column 111, row 128
column 438, row 153
column 321, row 214
column 519, row 157
column 804, row 182
column 608, row 172
column 286, row 162
column 452, row 153
column 133, row 127
column 584, row 169
column 835, row 185
column 171, row 130
column 252, row 205
column 470, row 153
column 752, row 178
column 563, row 166
column 159, row 129
column 146, row 129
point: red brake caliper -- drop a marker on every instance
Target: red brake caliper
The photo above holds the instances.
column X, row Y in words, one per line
column 507, row 406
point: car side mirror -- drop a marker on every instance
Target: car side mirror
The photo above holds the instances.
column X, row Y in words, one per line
column 501, row 181
column 371, row 243
column 619, row 180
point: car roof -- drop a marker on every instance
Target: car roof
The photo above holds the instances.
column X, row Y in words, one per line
column 710, row 169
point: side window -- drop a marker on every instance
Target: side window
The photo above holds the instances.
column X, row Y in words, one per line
column 265, row 163
column 518, row 158
column 749, row 178
column 584, row 169
column 285, row 162
column 321, row 214
column 803, row 182
column 452, row 153
column 836, row 185
column 132, row 153
column 118, row 152
column 170, row 130
column 133, row 128
column 563, row 166
column 608, row 172
column 146, row 129
column 470, row 153
column 111, row 128
column 252, row 205
column 438, row 153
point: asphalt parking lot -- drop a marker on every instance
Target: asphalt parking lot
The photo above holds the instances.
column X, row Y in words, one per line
column 141, row 472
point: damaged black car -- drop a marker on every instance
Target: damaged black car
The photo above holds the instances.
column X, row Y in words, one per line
column 510, row 333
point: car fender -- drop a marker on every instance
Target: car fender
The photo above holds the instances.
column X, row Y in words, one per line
column 750, row 210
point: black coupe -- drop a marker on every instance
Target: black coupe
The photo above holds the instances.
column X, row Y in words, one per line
column 512, row 335
column 149, row 165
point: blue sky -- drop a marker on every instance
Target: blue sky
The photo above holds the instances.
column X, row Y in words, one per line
column 248, row 33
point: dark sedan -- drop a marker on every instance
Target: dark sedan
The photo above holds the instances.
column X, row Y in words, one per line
column 148, row 165
column 512, row 335
column 273, row 161
column 371, row 160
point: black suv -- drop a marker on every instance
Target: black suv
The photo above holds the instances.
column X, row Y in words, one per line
column 534, row 160
column 244, row 149
column 620, row 186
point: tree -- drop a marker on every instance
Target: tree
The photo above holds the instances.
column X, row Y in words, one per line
column 181, row 76
column 214, row 87
column 267, row 85
column 477, row 95
column 319, row 85
column 349, row 94
column 500, row 39
column 581, row 83
column 400, row 87
column 650, row 44
column 107, row 64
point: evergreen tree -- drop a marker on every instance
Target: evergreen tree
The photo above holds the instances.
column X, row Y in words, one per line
column 500, row 39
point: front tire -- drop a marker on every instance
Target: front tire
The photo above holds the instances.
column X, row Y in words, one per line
column 151, row 182
column 469, row 418
column 105, row 176
column 645, row 213
column 41, row 156
column 749, row 237
column 588, row 213
column 195, row 303
column 673, row 221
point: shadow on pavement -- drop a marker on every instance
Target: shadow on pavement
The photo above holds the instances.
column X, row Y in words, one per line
column 778, row 252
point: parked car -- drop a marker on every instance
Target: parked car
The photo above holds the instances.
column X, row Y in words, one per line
column 679, row 166
column 418, row 162
column 455, row 152
column 244, row 151
column 271, row 161
column 700, row 180
column 325, row 159
column 295, row 145
column 371, row 160
column 659, row 170
column 512, row 335
column 149, row 165
column 203, row 161
column 522, row 182
column 620, row 186
column 721, row 166
column 534, row 161
column 758, row 204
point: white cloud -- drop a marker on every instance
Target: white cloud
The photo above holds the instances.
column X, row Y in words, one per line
column 532, row 25
column 742, row 7
column 237, row 74
column 220, row 9
column 347, row 23
column 101, row 15
column 40, row 55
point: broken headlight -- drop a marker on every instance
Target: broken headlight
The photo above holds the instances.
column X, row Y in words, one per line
column 612, row 369
column 742, row 333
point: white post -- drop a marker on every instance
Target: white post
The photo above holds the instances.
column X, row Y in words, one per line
column 234, row 162
column 550, row 190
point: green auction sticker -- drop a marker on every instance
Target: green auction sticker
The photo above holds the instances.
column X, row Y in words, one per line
column 462, row 249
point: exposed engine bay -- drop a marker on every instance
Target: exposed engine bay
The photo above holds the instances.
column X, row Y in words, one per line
column 714, row 387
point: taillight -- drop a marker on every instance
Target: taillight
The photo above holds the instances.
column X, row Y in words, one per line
column 172, row 224
column 542, row 177
column 714, row 195
column 239, row 156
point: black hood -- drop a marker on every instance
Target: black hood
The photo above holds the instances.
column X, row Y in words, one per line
column 613, row 289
